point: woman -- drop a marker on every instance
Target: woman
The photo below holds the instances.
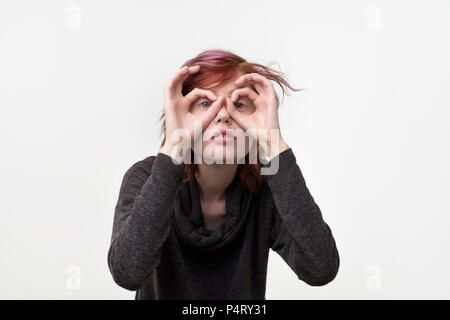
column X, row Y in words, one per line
column 188, row 229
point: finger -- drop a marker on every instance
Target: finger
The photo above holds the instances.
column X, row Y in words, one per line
column 174, row 85
column 184, row 76
column 212, row 112
column 257, row 87
column 244, row 92
column 171, row 84
column 235, row 115
column 257, row 79
column 196, row 93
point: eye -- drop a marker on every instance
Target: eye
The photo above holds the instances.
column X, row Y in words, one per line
column 239, row 105
column 203, row 104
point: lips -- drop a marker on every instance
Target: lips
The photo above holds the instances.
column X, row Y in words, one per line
column 222, row 135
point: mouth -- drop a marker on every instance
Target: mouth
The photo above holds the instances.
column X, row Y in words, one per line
column 222, row 136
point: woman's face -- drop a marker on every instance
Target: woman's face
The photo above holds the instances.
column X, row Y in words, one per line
column 224, row 141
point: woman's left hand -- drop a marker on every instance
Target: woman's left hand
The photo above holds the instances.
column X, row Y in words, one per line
column 265, row 118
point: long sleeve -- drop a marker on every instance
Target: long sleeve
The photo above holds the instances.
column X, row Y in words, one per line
column 142, row 219
column 299, row 233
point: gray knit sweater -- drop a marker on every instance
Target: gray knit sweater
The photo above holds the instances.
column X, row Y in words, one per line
column 161, row 249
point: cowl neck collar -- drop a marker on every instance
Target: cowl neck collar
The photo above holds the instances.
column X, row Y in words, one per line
column 189, row 222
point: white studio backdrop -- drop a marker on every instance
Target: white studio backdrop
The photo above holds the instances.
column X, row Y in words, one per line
column 81, row 90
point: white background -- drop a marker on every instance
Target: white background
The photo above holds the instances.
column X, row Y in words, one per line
column 81, row 90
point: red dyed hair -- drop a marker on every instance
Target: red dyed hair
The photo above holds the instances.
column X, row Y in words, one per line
column 216, row 67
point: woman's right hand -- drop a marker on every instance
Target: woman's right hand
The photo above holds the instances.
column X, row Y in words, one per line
column 177, row 113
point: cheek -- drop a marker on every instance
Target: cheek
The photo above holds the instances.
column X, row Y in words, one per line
column 194, row 110
column 250, row 109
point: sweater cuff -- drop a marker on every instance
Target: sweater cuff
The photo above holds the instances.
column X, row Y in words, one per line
column 287, row 173
column 280, row 164
column 165, row 167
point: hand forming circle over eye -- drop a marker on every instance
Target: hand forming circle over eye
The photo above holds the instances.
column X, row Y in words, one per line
column 263, row 123
column 176, row 107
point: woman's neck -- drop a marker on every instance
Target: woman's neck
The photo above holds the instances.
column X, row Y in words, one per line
column 214, row 179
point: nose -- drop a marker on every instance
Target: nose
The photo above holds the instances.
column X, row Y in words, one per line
column 223, row 116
